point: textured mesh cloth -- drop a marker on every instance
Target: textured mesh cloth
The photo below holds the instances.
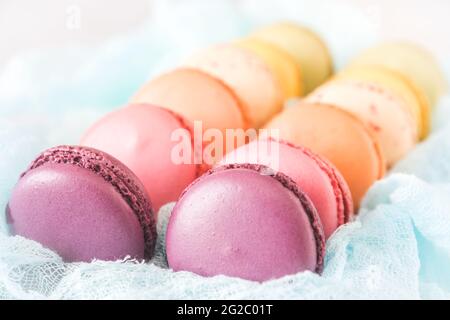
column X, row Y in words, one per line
column 398, row 247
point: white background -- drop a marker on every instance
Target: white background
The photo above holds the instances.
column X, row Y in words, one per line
column 26, row 24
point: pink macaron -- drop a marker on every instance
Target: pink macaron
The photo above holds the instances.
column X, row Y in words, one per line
column 246, row 221
column 314, row 175
column 145, row 137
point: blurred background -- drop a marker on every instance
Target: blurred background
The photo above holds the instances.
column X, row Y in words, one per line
column 27, row 25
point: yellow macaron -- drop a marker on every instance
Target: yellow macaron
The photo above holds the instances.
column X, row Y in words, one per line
column 399, row 85
column 281, row 63
column 412, row 61
column 307, row 48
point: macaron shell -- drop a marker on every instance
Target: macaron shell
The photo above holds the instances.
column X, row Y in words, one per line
column 386, row 115
column 340, row 187
column 411, row 60
column 398, row 84
column 245, row 73
column 256, row 228
column 311, row 175
column 76, row 213
column 309, row 51
column 349, row 207
column 140, row 137
column 282, row 64
column 113, row 172
column 195, row 95
column 339, row 137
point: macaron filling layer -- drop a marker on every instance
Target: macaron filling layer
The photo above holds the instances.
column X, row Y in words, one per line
column 112, row 172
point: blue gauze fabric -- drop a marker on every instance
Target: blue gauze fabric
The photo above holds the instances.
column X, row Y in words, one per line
column 398, row 246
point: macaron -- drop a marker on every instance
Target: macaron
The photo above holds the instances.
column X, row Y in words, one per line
column 83, row 204
column 248, row 75
column 315, row 176
column 155, row 143
column 282, row 64
column 244, row 221
column 399, row 85
column 195, row 95
column 413, row 61
column 339, row 137
column 200, row 98
column 385, row 114
column 305, row 47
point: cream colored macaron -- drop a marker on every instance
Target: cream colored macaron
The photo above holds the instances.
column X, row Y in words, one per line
column 248, row 75
column 305, row 46
column 399, row 85
column 411, row 60
column 281, row 62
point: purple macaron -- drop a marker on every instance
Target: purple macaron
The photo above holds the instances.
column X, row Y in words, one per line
column 247, row 221
column 83, row 204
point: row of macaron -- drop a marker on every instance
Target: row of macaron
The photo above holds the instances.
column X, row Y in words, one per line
column 383, row 99
column 242, row 218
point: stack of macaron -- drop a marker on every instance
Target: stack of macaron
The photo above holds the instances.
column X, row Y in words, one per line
column 260, row 209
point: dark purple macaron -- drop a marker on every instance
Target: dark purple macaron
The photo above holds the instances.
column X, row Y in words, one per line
column 84, row 204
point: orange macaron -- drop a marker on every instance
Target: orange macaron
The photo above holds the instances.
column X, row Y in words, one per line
column 195, row 95
column 202, row 99
column 338, row 136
